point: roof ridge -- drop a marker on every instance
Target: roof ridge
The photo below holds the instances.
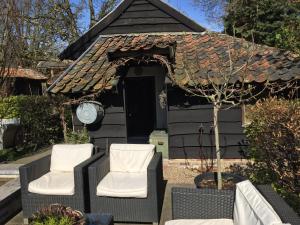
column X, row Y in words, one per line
column 155, row 34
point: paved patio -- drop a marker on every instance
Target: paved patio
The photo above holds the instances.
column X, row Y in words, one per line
column 165, row 216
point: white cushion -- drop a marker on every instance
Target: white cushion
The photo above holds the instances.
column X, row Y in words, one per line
column 200, row 222
column 251, row 208
column 66, row 157
column 130, row 157
column 281, row 224
column 124, row 185
column 53, row 183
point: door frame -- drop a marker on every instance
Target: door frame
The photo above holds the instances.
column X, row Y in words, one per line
column 144, row 71
column 126, row 100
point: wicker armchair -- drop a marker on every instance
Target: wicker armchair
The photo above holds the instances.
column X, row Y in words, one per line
column 190, row 203
column 32, row 202
column 124, row 209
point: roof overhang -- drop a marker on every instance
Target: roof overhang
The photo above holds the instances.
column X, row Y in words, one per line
column 197, row 56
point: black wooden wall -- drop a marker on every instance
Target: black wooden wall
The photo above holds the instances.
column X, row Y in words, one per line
column 142, row 16
column 187, row 116
column 112, row 129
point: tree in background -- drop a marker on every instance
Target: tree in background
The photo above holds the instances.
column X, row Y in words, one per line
column 271, row 22
column 103, row 6
column 37, row 30
column 9, row 54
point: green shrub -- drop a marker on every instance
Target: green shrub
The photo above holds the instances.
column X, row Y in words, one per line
column 57, row 215
column 77, row 137
column 274, row 147
column 40, row 118
column 55, row 221
column 11, row 154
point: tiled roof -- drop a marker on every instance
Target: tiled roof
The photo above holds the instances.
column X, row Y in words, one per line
column 54, row 64
column 24, row 73
column 197, row 56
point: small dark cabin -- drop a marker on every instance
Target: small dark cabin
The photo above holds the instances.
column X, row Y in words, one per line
column 115, row 65
column 20, row 81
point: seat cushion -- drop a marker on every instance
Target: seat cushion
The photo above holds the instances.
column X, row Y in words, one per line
column 125, row 185
column 65, row 157
column 53, row 183
column 130, row 157
column 200, row 222
column 251, row 208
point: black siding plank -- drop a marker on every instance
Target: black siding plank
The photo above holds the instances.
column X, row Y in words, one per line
column 147, row 28
column 194, row 140
column 231, row 152
column 140, row 2
column 141, row 7
column 190, row 116
column 145, row 14
column 114, row 110
column 106, row 131
column 142, row 21
column 204, row 115
column 194, row 128
column 113, row 119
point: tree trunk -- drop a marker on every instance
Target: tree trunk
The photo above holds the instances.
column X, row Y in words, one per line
column 92, row 13
column 217, row 143
column 63, row 122
column 71, row 19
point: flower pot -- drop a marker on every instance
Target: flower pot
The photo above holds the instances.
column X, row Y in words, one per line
column 209, row 180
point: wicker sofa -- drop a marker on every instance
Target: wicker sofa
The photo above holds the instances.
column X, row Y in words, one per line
column 143, row 205
column 38, row 188
column 214, row 207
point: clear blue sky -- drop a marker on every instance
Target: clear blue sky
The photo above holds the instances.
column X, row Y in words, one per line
column 197, row 14
column 186, row 7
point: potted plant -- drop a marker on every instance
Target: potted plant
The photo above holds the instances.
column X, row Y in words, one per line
column 210, row 180
column 57, row 215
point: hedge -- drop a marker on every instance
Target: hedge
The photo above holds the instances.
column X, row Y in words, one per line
column 39, row 115
column 274, row 147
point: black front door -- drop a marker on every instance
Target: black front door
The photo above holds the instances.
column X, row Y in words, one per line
column 140, row 106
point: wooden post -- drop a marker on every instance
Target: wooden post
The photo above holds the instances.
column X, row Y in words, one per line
column 63, row 122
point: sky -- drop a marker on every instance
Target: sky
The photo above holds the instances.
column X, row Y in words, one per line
column 184, row 6
column 189, row 9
